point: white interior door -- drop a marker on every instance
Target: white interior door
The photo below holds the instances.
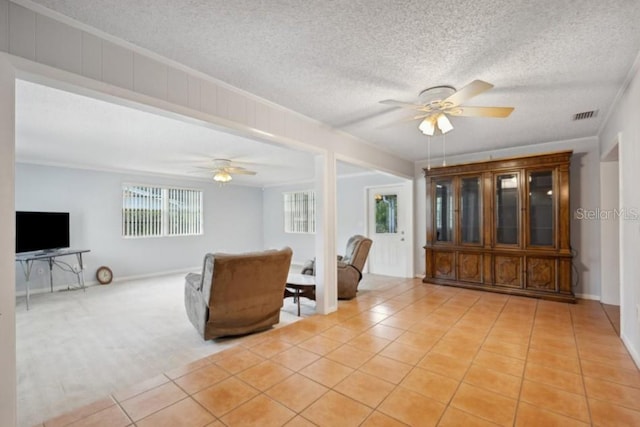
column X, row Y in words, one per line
column 388, row 224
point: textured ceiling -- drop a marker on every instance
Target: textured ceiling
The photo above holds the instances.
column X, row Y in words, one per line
column 335, row 60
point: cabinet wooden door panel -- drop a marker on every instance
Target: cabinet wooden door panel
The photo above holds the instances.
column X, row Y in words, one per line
column 444, row 265
column 508, row 271
column 541, row 274
column 470, row 267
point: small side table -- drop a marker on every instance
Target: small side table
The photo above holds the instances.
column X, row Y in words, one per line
column 27, row 259
column 300, row 285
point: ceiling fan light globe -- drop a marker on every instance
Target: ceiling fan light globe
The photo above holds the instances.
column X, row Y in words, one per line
column 427, row 127
column 222, row 177
column 444, row 124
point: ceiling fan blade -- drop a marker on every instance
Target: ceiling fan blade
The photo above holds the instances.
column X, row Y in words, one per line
column 239, row 171
column 418, row 117
column 402, row 104
column 474, row 88
column 499, row 112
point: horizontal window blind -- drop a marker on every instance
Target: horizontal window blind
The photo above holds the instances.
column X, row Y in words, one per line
column 149, row 211
column 300, row 212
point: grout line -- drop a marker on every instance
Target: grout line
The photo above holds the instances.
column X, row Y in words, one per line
column 611, row 320
column 584, row 385
column 526, row 361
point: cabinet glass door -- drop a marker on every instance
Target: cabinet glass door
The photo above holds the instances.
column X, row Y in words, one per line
column 507, row 209
column 470, row 218
column 444, row 210
column 541, row 208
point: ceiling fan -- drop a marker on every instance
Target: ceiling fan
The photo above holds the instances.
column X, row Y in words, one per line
column 223, row 170
column 436, row 103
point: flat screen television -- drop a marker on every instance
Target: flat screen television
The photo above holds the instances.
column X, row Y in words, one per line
column 41, row 231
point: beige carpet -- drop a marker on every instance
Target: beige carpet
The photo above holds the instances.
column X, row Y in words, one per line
column 74, row 347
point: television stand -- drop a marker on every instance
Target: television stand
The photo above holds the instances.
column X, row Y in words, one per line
column 26, row 261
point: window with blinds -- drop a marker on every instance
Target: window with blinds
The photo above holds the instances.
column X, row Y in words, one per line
column 151, row 211
column 300, row 212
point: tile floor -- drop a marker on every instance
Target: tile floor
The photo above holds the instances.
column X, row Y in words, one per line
column 613, row 313
column 404, row 354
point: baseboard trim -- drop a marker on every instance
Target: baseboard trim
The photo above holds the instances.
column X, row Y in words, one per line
column 631, row 350
column 74, row 285
column 156, row 274
column 588, row 296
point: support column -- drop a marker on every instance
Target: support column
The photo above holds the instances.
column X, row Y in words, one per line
column 8, row 411
column 325, row 244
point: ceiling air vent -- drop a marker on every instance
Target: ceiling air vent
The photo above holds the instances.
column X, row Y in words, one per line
column 585, row 115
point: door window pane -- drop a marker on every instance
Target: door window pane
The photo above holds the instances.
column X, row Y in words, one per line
column 444, row 211
column 541, row 208
column 470, row 210
column 386, row 213
column 507, row 209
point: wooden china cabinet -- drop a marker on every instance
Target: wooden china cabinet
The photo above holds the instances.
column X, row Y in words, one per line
column 501, row 226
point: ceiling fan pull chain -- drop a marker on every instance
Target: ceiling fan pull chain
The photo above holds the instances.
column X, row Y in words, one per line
column 444, row 151
column 428, row 153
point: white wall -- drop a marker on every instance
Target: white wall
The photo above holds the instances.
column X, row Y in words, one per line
column 585, row 193
column 623, row 127
column 350, row 207
column 232, row 222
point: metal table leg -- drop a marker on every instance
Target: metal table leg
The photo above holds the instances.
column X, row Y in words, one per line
column 51, row 261
column 26, row 269
column 81, row 272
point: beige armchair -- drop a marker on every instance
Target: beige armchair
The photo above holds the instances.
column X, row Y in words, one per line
column 237, row 294
column 350, row 266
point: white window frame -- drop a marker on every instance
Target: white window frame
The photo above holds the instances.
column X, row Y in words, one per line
column 161, row 199
column 299, row 212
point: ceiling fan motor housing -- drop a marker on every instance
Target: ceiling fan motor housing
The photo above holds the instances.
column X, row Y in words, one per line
column 436, row 94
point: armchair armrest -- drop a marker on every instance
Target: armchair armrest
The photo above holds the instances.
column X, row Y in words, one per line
column 348, row 279
column 309, row 268
column 194, row 280
column 194, row 302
